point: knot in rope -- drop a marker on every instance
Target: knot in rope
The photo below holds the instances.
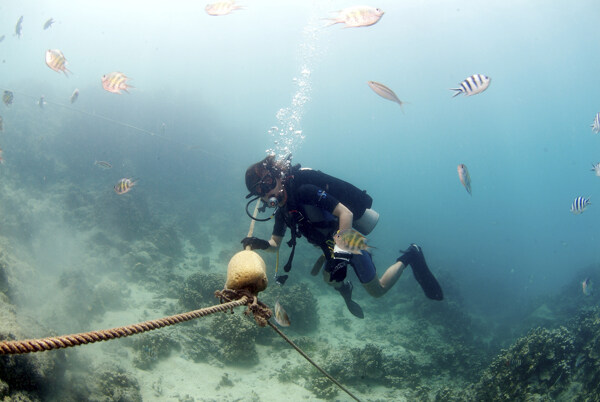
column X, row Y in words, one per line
column 258, row 309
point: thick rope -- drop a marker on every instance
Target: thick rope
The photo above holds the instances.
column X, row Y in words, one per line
column 325, row 373
column 58, row 342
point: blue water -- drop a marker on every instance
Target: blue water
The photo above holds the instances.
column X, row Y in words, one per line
column 219, row 84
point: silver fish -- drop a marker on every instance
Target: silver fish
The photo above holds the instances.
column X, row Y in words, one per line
column 596, row 124
column 74, row 95
column 281, row 316
column 19, row 27
column 48, row 23
column 2, row 37
column 579, row 205
column 385, row 92
column 103, row 164
column 473, row 85
column 596, row 168
column 465, row 178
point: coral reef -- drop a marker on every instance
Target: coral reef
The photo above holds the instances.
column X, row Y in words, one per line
column 198, row 290
column 537, row 364
column 152, row 347
column 236, row 335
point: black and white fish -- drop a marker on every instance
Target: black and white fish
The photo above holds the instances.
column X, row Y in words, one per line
column 596, row 168
column 579, row 205
column 596, row 124
column 473, row 85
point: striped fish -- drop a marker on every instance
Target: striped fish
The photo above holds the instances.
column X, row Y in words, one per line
column 357, row 16
column 473, row 85
column 579, row 205
column 55, row 59
column 465, row 178
column 596, row 124
column 124, row 185
column 115, row 82
column 385, row 92
column 351, row 240
column 221, row 8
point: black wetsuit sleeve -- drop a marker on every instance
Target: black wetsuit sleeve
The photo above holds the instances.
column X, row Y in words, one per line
column 279, row 226
column 309, row 194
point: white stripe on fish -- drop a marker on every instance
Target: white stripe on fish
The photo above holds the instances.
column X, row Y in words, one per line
column 473, row 85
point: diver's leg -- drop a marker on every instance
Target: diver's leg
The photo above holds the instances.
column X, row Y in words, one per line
column 414, row 256
column 345, row 289
column 377, row 287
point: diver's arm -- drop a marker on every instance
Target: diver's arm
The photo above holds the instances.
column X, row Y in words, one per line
column 344, row 216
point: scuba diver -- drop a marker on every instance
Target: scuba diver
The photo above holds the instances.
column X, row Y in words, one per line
column 319, row 206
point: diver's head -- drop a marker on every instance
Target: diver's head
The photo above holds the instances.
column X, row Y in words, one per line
column 262, row 177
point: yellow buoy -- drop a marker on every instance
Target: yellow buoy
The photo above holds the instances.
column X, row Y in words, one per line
column 247, row 270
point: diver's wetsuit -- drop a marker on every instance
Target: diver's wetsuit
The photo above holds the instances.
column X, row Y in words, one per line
column 310, row 206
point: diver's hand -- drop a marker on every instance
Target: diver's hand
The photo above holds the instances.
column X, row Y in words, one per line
column 255, row 243
column 337, row 269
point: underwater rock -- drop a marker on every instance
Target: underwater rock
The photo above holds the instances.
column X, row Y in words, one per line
column 106, row 383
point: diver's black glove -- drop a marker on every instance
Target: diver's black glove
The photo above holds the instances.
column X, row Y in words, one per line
column 255, row 243
column 337, row 269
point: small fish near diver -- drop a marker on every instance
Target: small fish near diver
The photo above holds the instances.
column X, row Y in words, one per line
column 1, row 160
column 55, row 59
column 473, row 85
column 103, row 164
column 8, row 97
column 19, row 27
column 1, row 124
column 74, row 95
column 587, row 286
column 42, row 102
column 48, row 23
column 281, row 316
column 351, row 240
column 464, row 177
column 596, row 124
column 124, row 185
column 221, row 8
column 115, row 82
column 579, row 205
column 357, row 16
column 385, row 93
